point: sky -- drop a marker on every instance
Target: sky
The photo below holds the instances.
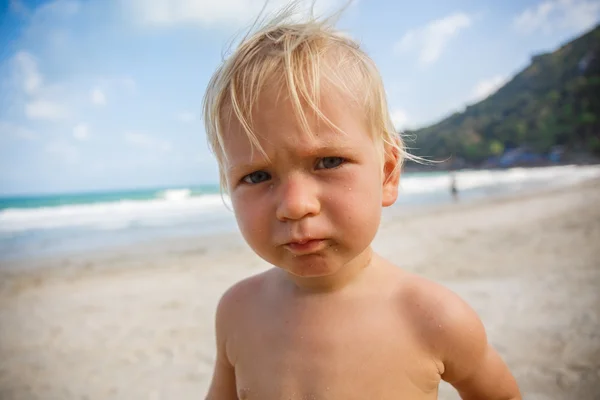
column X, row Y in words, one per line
column 107, row 94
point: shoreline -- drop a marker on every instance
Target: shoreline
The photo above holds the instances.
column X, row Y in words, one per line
column 202, row 242
column 47, row 233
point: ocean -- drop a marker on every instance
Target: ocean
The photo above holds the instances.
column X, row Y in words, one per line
column 59, row 225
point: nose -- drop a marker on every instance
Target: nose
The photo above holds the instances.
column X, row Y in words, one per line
column 298, row 198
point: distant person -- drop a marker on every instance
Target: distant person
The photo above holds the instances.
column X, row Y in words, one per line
column 453, row 188
column 298, row 120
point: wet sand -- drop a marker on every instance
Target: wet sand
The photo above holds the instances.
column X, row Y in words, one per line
column 137, row 323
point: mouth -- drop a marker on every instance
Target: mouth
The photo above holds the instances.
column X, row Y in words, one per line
column 306, row 246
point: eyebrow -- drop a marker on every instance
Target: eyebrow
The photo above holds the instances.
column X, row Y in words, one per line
column 242, row 167
column 312, row 151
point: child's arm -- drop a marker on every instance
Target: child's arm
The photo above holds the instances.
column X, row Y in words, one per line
column 471, row 365
column 223, row 385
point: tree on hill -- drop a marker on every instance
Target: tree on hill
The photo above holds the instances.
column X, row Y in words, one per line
column 555, row 101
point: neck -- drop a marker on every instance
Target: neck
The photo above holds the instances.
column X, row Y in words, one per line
column 349, row 274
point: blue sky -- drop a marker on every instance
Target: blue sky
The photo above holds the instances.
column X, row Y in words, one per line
column 103, row 94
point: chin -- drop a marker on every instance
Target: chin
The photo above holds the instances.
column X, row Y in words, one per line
column 311, row 267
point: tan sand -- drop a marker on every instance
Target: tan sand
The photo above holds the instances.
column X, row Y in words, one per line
column 138, row 323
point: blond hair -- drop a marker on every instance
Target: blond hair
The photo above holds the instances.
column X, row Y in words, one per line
column 300, row 57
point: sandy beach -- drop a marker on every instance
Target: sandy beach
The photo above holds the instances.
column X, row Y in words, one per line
column 137, row 323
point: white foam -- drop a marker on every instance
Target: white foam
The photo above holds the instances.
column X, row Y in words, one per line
column 474, row 179
column 114, row 215
column 179, row 206
column 176, row 194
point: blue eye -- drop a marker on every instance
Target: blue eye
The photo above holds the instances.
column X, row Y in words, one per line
column 256, row 177
column 329, row 162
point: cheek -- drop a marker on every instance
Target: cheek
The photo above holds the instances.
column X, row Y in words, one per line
column 357, row 201
column 251, row 217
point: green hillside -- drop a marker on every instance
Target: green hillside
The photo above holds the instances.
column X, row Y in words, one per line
column 555, row 101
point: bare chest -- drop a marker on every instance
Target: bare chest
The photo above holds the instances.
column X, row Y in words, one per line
column 345, row 355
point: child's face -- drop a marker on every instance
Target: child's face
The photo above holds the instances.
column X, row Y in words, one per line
column 316, row 205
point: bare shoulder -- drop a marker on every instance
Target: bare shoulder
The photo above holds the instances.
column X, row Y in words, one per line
column 456, row 338
column 241, row 295
column 231, row 310
column 440, row 318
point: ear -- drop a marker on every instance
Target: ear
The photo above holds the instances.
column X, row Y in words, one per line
column 391, row 175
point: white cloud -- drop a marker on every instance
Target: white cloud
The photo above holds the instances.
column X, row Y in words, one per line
column 431, row 39
column 81, row 132
column 186, row 117
column 552, row 15
column 486, row 87
column 208, row 13
column 97, row 97
column 64, row 151
column 44, row 109
column 399, row 119
column 147, row 142
column 27, row 72
column 38, row 104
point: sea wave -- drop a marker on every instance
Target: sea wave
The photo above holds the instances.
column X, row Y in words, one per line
column 183, row 206
column 175, row 194
column 475, row 179
column 173, row 206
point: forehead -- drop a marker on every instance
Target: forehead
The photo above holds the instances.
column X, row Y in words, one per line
column 278, row 125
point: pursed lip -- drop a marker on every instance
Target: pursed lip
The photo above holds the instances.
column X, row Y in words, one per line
column 305, row 246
